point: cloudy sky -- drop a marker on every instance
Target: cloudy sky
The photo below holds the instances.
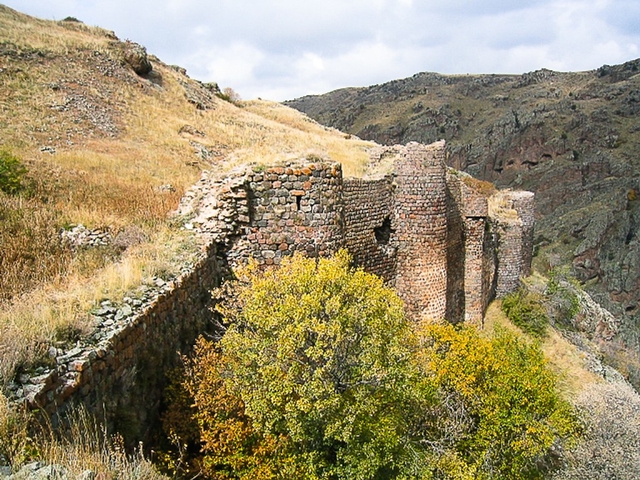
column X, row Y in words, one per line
column 282, row 49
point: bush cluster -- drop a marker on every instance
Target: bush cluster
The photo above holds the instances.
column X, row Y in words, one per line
column 11, row 173
column 320, row 376
column 526, row 310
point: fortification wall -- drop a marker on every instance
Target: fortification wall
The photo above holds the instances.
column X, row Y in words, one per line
column 295, row 209
column 421, row 229
column 514, row 228
column 425, row 232
column 369, row 232
column 456, row 250
column 119, row 373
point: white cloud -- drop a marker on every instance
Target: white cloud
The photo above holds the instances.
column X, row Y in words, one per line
column 285, row 48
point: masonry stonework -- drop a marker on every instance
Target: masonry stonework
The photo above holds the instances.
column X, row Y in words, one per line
column 419, row 226
column 369, row 225
column 515, row 240
column 119, row 374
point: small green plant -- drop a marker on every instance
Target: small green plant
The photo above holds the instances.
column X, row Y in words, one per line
column 16, row 445
column 561, row 293
column 11, row 173
column 525, row 310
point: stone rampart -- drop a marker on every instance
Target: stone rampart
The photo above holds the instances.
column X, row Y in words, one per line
column 370, row 226
column 119, row 374
column 294, row 209
column 513, row 224
column 420, row 227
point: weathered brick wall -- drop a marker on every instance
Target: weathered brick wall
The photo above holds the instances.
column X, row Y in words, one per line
column 456, row 250
column 478, row 293
column 523, row 204
column 514, row 240
column 369, row 232
column 122, row 377
column 421, row 230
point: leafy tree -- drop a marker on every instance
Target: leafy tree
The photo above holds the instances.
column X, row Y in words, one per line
column 319, row 352
column 510, row 420
column 319, row 376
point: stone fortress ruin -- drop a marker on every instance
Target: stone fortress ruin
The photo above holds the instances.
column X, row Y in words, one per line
column 445, row 246
column 417, row 224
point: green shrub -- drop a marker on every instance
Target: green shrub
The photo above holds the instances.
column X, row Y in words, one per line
column 499, row 414
column 561, row 295
column 525, row 310
column 320, row 376
column 11, row 173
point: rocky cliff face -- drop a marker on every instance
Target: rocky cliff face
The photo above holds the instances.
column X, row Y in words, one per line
column 572, row 138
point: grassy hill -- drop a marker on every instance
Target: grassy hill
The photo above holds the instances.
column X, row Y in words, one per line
column 93, row 143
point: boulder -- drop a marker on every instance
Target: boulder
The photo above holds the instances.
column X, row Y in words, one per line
column 136, row 57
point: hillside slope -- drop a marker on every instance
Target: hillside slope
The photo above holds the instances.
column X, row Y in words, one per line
column 573, row 138
column 85, row 140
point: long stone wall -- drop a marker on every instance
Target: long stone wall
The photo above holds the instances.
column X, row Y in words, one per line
column 119, row 374
column 420, row 227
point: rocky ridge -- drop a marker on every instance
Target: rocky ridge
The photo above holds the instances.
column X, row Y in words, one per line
column 572, row 138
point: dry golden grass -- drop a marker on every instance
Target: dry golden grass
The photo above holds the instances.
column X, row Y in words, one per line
column 501, row 207
column 49, row 313
column 85, row 445
column 117, row 138
column 80, row 445
column 14, row 433
column 59, row 37
column 484, row 188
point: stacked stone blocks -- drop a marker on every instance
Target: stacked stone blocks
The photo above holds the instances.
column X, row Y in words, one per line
column 420, row 228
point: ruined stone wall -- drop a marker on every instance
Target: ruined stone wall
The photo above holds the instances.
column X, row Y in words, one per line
column 489, row 265
column 456, row 252
column 120, row 372
column 523, row 204
column 295, row 209
column 513, row 223
column 421, row 230
column 369, row 234
column 425, row 233
column 478, row 293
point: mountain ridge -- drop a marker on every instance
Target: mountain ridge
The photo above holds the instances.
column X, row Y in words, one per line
column 571, row 137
